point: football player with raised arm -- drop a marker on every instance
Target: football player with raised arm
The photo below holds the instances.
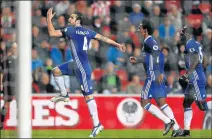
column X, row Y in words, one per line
column 154, row 87
column 194, row 80
column 78, row 39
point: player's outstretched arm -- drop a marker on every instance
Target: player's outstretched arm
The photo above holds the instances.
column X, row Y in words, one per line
column 109, row 41
column 51, row 29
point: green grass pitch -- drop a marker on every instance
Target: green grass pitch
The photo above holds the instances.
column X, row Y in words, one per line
column 105, row 134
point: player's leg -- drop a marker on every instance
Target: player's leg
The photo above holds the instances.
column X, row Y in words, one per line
column 168, row 111
column 86, row 87
column 7, row 97
column 146, row 94
column 188, row 113
column 58, row 72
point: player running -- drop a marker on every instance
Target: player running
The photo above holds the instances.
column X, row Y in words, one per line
column 153, row 60
column 78, row 38
column 194, row 80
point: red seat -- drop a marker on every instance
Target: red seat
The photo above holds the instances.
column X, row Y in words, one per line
column 195, row 19
column 98, row 73
column 123, row 76
column 205, row 7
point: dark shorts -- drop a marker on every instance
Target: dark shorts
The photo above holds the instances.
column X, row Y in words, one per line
column 196, row 92
column 83, row 77
column 8, row 93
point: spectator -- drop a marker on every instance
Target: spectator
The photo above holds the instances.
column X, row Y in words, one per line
column 206, row 41
column 61, row 53
column 49, row 67
column 61, row 22
column 147, row 8
column 36, row 36
column 37, row 65
column 117, row 11
column 181, row 59
column 43, row 50
column 175, row 17
column 173, row 86
column 110, row 82
column 156, row 16
column 36, row 17
column 123, row 24
column 101, row 9
column 136, row 16
column 94, row 55
column 136, row 68
column 134, row 87
column 89, row 18
column 209, row 84
column 61, row 7
column 6, row 18
column 170, row 60
column 166, row 30
column 44, row 84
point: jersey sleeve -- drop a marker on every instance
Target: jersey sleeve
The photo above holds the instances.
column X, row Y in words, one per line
column 67, row 32
column 92, row 34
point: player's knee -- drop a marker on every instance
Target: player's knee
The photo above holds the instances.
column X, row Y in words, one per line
column 187, row 103
column 88, row 98
column 147, row 106
column 56, row 71
column 202, row 105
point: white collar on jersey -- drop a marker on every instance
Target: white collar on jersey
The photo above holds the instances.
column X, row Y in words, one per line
column 147, row 38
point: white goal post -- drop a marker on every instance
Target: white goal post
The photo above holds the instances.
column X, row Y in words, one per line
column 24, row 97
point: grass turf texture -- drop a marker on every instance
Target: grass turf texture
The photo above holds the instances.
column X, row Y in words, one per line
column 105, row 134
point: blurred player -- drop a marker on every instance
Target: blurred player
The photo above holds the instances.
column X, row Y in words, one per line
column 78, row 38
column 7, row 79
column 194, row 80
column 153, row 60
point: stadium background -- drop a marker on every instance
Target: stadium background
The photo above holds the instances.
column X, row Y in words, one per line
column 113, row 75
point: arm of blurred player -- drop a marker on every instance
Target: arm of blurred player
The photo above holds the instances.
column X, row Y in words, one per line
column 194, row 61
column 136, row 60
column 51, row 29
column 205, row 60
column 109, row 41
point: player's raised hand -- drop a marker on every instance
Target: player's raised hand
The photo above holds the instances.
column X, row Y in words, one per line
column 122, row 47
column 49, row 14
column 133, row 59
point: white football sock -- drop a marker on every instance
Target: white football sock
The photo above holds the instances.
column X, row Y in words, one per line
column 156, row 112
column 61, row 84
column 93, row 111
column 168, row 111
column 188, row 114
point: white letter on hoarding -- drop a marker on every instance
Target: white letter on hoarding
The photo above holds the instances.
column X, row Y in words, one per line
column 64, row 111
column 40, row 112
column 12, row 121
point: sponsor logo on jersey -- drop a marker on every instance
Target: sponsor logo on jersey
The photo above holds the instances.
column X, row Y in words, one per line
column 82, row 32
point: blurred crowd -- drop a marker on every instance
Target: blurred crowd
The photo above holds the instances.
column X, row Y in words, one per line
column 118, row 20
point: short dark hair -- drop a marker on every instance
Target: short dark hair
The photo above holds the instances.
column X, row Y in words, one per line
column 79, row 17
column 187, row 30
column 148, row 25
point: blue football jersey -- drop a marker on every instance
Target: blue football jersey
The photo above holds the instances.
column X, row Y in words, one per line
column 192, row 46
column 153, row 58
column 79, row 39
